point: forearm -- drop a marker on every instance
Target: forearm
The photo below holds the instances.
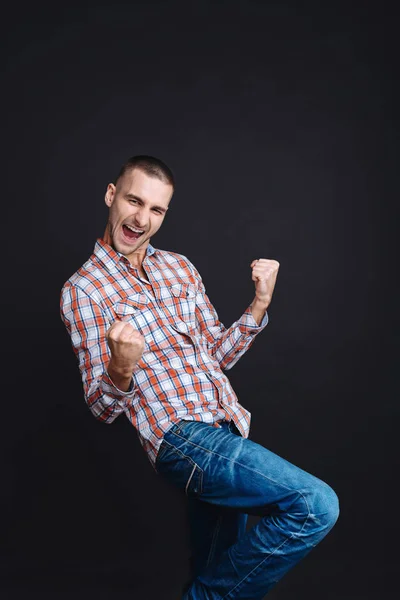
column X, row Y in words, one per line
column 227, row 345
column 240, row 336
column 258, row 309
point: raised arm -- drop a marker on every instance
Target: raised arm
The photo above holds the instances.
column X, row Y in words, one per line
column 226, row 345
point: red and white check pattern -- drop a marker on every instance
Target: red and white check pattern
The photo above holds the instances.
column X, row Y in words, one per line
column 180, row 373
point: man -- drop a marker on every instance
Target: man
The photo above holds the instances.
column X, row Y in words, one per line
column 150, row 345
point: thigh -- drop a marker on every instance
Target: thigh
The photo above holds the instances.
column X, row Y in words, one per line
column 216, row 466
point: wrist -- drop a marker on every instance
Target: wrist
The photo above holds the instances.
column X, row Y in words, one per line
column 260, row 303
column 120, row 376
column 120, row 369
column 258, row 308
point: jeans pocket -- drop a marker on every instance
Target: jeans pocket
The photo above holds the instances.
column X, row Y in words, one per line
column 179, row 469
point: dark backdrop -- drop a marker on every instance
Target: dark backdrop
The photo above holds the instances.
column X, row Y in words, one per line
column 280, row 122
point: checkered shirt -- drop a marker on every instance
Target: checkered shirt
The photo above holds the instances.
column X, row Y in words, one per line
column 179, row 375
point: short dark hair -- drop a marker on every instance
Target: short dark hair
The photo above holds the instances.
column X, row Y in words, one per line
column 150, row 165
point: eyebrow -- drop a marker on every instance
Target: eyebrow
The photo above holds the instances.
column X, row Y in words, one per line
column 134, row 197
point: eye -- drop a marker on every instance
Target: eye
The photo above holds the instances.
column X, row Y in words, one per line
column 133, row 200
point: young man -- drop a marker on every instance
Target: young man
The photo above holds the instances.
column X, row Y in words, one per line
column 150, row 345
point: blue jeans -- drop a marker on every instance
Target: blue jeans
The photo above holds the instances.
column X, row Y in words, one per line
column 227, row 477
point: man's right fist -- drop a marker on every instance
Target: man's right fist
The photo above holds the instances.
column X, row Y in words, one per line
column 126, row 345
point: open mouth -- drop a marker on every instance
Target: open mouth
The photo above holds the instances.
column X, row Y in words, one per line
column 131, row 233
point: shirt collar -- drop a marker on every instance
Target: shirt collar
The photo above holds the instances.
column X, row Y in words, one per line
column 111, row 258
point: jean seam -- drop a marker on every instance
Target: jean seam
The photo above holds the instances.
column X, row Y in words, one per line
column 214, row 540
column 190, row 479
column 192, row 462
column 256, row 567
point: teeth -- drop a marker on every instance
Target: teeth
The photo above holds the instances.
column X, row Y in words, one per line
column 135, row 230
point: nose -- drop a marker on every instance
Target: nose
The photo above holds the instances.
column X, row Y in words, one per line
column 142, row 217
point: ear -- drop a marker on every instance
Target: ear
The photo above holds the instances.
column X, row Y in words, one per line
column 109, row 196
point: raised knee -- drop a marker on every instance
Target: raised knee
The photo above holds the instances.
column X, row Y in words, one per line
column 324, row 505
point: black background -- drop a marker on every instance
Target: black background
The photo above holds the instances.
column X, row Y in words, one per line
column 280, row 122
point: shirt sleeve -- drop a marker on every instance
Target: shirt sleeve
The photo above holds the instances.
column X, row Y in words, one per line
column 225, row 345
column 87, row 324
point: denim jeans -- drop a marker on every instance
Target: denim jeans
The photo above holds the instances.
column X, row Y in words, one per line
column 226, row 478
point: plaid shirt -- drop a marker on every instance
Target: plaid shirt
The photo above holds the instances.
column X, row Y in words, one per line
column 179, row 375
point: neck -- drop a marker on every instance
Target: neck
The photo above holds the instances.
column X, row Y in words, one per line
column 135, row 263
column 137, row 257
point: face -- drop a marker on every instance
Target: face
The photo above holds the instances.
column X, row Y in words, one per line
column 137, row 208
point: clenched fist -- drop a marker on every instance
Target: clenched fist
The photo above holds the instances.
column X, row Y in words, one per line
column 126, row 346
column 264, row 274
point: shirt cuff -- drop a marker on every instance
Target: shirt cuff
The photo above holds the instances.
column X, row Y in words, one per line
column 248, row 324
column 111, row 389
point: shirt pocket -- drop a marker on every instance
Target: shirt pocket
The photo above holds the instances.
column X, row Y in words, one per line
column 140, row 312
column 131, row 305
column 183, row 303
column 137, row 310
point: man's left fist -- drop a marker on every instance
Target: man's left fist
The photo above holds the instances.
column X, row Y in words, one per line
column 264, row 273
